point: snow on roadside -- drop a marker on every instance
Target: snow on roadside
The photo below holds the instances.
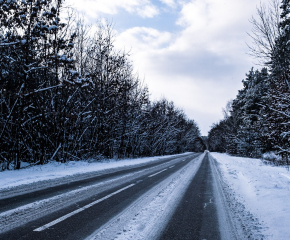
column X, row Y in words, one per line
column 56, row 170
column 264, row 190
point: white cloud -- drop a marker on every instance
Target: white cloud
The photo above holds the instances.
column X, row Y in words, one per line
column 201, row 67
column 216, row 25
column 143, row 39
column 170, row 3
column 148, row 11
column 93, row 8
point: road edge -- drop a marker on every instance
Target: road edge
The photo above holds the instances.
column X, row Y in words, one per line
column 236, row 223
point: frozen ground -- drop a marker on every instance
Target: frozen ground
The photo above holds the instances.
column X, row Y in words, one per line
column 56, row 170
column 264, row 191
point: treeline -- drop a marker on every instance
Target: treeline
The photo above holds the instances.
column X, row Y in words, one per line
column 67, row 94
column 258, row 119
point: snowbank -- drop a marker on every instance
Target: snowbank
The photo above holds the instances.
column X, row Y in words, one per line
column 57, row 170
column 263, row 189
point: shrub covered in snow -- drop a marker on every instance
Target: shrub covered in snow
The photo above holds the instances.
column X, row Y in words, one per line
column 272, row 157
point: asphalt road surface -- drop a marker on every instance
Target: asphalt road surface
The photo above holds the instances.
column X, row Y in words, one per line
column 9, row 203
column 195, row 216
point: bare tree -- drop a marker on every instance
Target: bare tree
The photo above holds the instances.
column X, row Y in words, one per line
column 266, row 29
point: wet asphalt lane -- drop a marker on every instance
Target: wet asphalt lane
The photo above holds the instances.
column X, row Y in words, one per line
column 196, row 216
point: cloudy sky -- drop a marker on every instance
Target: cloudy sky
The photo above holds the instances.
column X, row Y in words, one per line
column 192, row 52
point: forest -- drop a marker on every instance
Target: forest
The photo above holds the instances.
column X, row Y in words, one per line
column 257, row 121
column 66, row 93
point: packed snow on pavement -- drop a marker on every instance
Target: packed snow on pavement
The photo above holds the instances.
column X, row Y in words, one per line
column 263, row 189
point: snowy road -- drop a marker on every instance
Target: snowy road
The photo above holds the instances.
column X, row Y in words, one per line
column 196, row 214
column 180, row 197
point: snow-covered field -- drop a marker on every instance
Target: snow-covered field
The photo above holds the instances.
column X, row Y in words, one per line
column 264, row 190
column 56, row 170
